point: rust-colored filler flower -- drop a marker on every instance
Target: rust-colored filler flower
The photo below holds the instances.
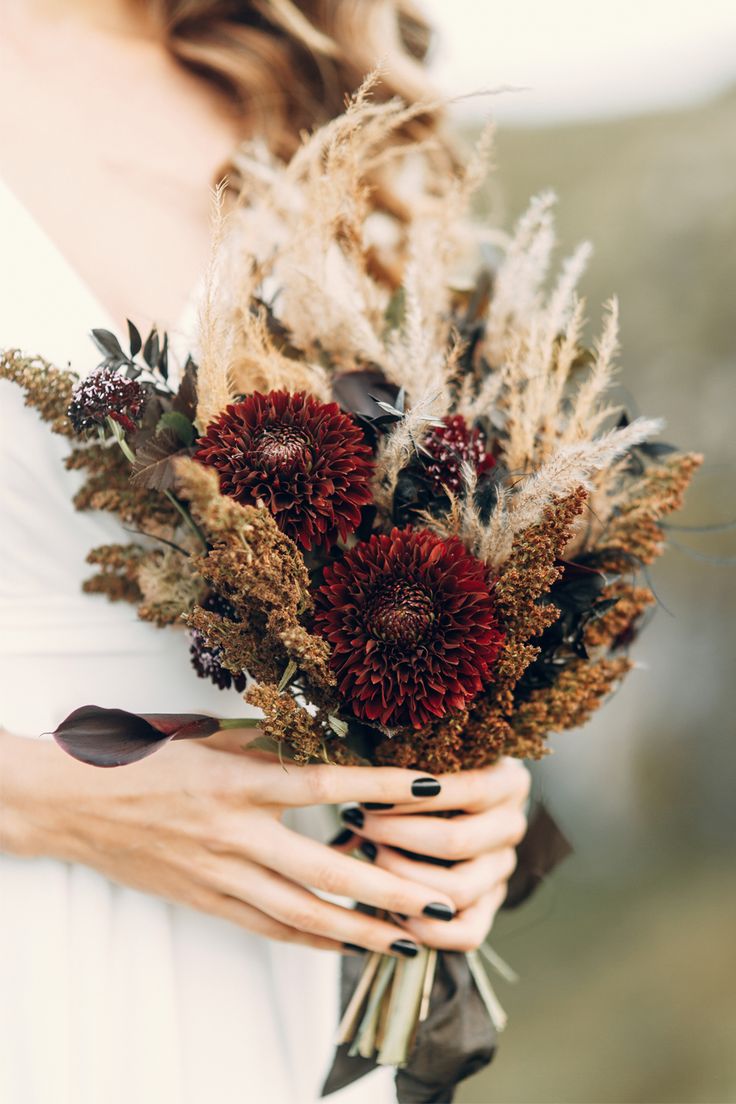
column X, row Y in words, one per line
column 306, row 461
column 412, row 627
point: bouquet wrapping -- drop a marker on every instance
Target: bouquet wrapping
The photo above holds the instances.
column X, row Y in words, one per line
column 390, row 497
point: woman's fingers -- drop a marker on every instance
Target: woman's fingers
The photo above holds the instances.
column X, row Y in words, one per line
column 324, row 784
column 473, row 790
column 464, row 883
column 253, row 920
column 295, row 907
column 319, row 867
column 467, row 931
column 460, row 837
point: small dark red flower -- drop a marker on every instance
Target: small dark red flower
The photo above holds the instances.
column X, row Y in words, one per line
column 104, row 394
column 450, row 446
column 412, row 627
column 306, row 461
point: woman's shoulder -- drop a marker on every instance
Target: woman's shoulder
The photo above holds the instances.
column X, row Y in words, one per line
column 44, row 307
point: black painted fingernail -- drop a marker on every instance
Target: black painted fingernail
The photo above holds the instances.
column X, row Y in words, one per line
column 353, row 816
column 405, row 947
column 431, row 859
column 368, row 849
column 354, row 947
column 376, row 805
column 438, row 911
column 342, row 837
column 425, row 787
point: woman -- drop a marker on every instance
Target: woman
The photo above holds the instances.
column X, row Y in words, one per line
column 159, row 923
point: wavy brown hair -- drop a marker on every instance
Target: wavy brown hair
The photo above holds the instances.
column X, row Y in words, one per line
column 287, row 66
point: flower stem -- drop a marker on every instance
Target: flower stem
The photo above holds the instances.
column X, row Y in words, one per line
column 240, row 722
column 187, row 518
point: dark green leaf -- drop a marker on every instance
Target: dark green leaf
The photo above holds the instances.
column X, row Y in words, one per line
column 163, row 359
column 396, row 309
column 108, row 344
column 135, row 339
column 181, row 426
column 150, row 349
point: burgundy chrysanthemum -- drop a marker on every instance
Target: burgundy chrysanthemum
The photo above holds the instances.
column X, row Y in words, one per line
column 412, row 627
column 451, row 445
column 106, row 394
column 206, row 660
column 306, row 461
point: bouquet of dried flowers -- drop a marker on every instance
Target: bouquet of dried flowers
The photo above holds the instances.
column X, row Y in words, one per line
column 393, row 506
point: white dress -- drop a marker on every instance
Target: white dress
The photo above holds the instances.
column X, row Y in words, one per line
column 108, row 995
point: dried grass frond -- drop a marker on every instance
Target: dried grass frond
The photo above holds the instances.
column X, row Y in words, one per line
column 519, row 281
column 570, row 467
column 258, row 365
column 214, row 355
column 589, row 408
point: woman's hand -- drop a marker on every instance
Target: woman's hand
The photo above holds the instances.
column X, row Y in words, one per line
column 477, row 847
column 201, row 826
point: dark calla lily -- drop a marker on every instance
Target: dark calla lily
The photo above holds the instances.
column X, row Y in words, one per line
column 114, row 737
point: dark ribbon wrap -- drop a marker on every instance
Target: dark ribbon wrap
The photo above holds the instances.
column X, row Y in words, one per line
column 457, row 1039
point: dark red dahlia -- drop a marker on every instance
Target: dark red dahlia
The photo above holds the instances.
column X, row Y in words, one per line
column 450, row 446
column 306, row 461
column 104, row 394
column 412, row 627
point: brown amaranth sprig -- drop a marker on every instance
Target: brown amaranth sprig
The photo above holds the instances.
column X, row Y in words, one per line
column 286, row 722
column 437, row 748
column 615, row 624
column 634, row 530
column 262, row 574
column 107, row 486
column 118, row 574
column 47, row 389
column 580, row 689
column 527, row 575
column 161, row 582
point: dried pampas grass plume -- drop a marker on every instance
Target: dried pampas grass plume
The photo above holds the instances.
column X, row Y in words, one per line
column 214, row 387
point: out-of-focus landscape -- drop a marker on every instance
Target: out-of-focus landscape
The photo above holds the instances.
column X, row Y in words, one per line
column 627, row 956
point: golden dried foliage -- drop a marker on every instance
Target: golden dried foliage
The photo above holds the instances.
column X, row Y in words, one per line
column 259, row 364
column 286, row 722
column 261, row 572
column 117, row 577
column 107, row 486
column 578, row 691
column 438, row 748
column 615, row 623
column 634, row 529
column 47, row 389
column 305, row 236
column 169, row 585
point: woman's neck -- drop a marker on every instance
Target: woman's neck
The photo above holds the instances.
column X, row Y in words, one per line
column 120, row 17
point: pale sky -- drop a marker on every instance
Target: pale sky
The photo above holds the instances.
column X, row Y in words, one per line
column 582, row 58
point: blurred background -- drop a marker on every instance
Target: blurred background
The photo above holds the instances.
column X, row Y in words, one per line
column 628, row 956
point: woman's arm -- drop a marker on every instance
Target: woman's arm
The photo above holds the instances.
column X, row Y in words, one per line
column 202, row 826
